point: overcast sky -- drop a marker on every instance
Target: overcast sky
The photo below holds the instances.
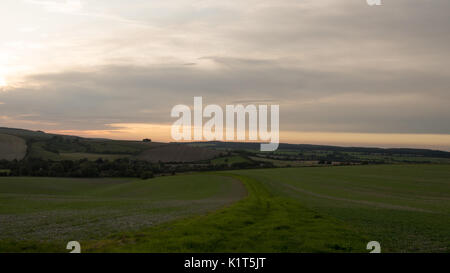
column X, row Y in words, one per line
column 342, row 72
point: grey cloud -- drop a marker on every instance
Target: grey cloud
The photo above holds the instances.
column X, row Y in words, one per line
column 312, row 61
column 130, row 94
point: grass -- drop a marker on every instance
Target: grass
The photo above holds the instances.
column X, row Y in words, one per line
column 123, row 149
column 399, row 158
column 177, row 153
column 102, row 146
column 25, row 134
column 7, row 171
column 262, row 222
column 228, row 160
column 331, row 209
column 12, row 147
column 37, row 150
column 90, row 156
column 285, row 163
column 42, row 214
column 404, row 207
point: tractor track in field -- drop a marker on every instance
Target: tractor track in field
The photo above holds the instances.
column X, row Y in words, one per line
column 362, row 202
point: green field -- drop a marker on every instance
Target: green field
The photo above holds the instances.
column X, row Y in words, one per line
column 404, row 207
column 285, row 163
column 330, row 209
column 89, row 156
column 43, row 213
column 229, row 160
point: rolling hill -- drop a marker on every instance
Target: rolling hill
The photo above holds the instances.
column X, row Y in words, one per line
column 12, row 147
column 178, row 153
column 20, row 143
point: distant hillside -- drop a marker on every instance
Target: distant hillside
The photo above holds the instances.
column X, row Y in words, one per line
column 20, row 143
column 178, row 153
column 12, row 147
column 25, row 134
column 308, row 147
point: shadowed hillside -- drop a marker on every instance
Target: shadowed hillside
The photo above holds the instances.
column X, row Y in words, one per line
column 12, row 147
column 19, row 143
column 178, row 153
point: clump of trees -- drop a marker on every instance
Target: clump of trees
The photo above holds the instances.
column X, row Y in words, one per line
column 82, row 168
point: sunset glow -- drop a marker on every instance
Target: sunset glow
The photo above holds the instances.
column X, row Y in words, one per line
column 2, row 82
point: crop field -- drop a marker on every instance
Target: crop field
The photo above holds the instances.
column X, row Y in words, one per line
column 178, row 153
column 404, row 207
column 43, row 213
column 12, row 147
column 228, row 160
column 284, row 163
column 317, row 209
column 90, row 156
column 70, row 149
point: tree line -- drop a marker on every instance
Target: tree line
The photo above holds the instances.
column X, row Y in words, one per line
column 123, row 167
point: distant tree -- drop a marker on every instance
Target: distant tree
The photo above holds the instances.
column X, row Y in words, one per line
column 88, row 169
column 56, row 169
column 147, row 140
column 147, row 175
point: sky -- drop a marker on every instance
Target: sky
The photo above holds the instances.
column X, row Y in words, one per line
column 343, row 72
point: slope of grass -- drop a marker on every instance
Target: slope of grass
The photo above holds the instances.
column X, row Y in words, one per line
column 42, row 214
column 90, row 156
column 177, row 153
column 37, row 150
column 73, row 145
column 263, row 222
column 12, row 147
column 404, row 207
column 335, row 209
column 25, row 134
column 286, row 163
column 229, row 160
